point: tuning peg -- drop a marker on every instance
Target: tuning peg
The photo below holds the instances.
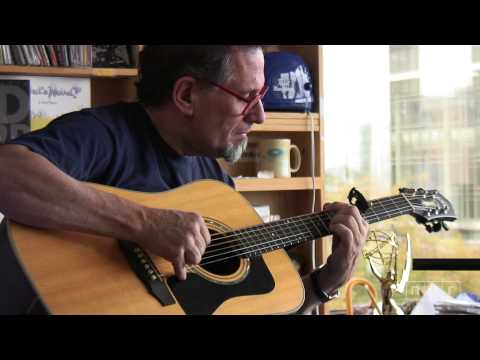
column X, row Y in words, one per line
column 437, row 226
column 444, row 226
column 420, row 220
column 429, row 227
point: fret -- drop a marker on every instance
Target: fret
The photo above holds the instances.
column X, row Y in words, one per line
column 382, row 206
column 287, row 236
column 272, row 234
column 371, row 211
column 385, row 211
column 243, row 243
column 323, row 231
column 305, row 233
column 326, row 218
column 264, row 238
column 284, row 230
column 391, row 207
column 255, row 236
column 296, row 236
column 401, row 208
column 309, row 235
column 316, row 233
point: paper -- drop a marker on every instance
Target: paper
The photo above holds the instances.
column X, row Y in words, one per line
column 426, row 305
column 457, row 307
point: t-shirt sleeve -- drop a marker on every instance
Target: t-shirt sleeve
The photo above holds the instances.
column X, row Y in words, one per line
column 77, row 143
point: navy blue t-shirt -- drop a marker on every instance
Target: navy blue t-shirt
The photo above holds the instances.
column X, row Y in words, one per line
column 118, row 145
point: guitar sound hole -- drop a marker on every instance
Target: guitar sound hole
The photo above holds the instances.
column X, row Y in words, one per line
column 224, row 267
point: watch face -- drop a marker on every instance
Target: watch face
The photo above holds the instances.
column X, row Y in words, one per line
column 334, row 295
column 329, row 297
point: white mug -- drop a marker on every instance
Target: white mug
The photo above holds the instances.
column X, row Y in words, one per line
column 274, row 155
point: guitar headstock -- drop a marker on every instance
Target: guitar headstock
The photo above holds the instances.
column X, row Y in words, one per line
column 429, row 208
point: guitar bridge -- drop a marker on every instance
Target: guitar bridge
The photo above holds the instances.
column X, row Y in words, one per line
column 147, row 272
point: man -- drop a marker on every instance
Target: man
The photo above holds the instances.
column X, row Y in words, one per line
column 196, row 103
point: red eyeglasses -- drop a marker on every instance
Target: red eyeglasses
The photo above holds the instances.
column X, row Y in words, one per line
column 251, row 103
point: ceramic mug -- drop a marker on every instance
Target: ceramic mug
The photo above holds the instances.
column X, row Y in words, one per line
column 274, row 155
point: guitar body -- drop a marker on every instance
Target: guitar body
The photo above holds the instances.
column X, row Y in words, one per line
column 74, row 273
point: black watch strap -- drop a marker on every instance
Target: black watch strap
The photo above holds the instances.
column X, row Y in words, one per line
column 321, row 294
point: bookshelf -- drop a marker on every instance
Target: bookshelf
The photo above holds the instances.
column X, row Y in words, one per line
column 286, row 197
column 286, row 184
column 86, row 72
column 288, row 122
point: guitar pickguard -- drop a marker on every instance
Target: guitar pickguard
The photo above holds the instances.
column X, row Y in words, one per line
column 197, row 295
column 207, row 287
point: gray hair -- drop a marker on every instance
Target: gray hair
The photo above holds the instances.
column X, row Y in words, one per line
column 160, row 66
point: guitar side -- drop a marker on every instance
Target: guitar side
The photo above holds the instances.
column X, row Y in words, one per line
column 77, row 273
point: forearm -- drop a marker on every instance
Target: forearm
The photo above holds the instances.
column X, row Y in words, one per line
column 36, row 193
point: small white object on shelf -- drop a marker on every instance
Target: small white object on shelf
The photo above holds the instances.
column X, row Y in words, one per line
column 265, row 174
column 263, row 210
column 273, row 218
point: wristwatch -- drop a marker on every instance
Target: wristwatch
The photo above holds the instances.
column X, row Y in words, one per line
column 321, row 294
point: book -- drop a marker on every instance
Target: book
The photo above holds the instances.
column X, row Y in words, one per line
column 14, row 108
column 112, row 56
column 51, row 97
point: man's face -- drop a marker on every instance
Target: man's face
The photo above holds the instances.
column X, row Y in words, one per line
column 219, row 128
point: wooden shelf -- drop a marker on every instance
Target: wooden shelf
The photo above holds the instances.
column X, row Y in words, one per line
column 285, row 121
column 278, row 184
column 68, row 71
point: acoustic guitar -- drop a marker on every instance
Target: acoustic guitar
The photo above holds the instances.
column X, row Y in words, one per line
column 244, row 270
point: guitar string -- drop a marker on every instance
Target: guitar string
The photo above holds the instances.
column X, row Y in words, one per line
column 285, row 222
column 271, row 230
column 236, row 255
column 293, row 240
column 277, row 241
column 266, row 230
column 220, row 236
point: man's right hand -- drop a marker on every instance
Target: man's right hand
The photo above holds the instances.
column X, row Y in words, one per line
column 179, row 237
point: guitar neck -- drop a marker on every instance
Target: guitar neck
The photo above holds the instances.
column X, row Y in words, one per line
column 254, row 241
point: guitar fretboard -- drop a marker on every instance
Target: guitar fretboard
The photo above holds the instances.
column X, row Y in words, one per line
column 260, row 239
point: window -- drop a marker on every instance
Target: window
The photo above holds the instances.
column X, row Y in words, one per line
column 408, row 116
column 403, row 58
